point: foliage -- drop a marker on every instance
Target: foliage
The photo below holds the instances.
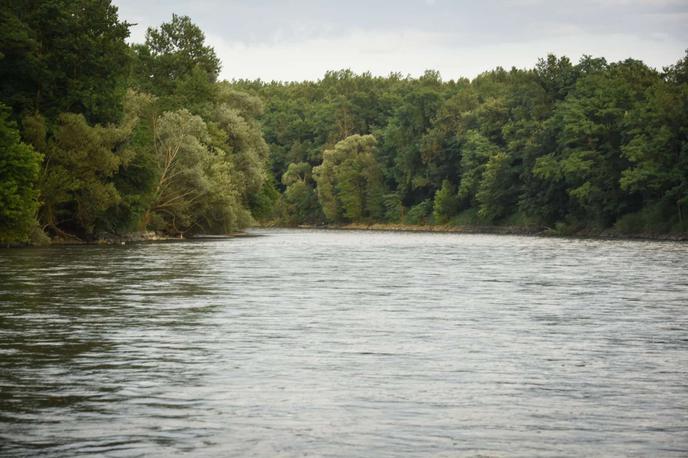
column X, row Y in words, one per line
column 144, row 136
column 657, row 149
column 300, row 200
column 494, row 197
column 19, row 168
column 76, row 182
column 171, row 53
column 578, row 144
column 420, row 213
column 349, row 181
column 446, row 203
column 63, row 56
column 176, row 152
column 182, row 156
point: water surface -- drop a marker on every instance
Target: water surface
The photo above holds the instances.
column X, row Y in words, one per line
column 329, row 343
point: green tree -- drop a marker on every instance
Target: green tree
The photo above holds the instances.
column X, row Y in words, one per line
column 19, row 168
column 63, row 56
column 300, row 198
column 495, row 196
column 588, row 128
column 135, row 178
column 402, row 140
column 446, row 203
column 557, row 75
column 238, row 134
column 171, row 53
column 476, row 152
column 349, row 181
column 182, row 154
column 80, row 161
column 658, row 145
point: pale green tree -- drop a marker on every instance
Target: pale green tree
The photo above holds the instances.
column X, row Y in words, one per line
column 181, row 151
column 349, row 181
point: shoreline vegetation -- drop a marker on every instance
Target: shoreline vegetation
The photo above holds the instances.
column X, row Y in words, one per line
column 153, row 237
column 99, row 136
column 126, row 239
column 493, row 230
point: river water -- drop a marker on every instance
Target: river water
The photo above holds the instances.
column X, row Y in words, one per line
column 346, row 343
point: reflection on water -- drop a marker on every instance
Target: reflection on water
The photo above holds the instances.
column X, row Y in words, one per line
column 335, row 343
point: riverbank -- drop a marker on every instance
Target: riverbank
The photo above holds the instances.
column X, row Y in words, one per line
column 150, row 236
column 499, row 230
column 125, row 239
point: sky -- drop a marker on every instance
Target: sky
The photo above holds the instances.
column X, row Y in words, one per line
column 295, row 40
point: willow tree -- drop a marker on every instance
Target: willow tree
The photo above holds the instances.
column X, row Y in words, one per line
column 198, row 188
column 349, row 181
column 181, row 152
column 238, row 133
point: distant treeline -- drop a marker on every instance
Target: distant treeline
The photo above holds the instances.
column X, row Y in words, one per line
column 101, row 137
column 570, row 147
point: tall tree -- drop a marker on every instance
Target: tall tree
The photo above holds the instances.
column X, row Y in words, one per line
column 350, row 181
column 171, row 53
column 63, row 55
column 76, row 181
column 658, row 146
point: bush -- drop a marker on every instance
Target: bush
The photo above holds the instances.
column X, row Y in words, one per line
column 520, row 219
column 393, row 207
column 446, row 203
column 420, row 214
column 650, row 220
column 468, row 217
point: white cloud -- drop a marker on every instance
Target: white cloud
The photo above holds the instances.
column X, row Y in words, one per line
column 301, row 39
column 412, row 52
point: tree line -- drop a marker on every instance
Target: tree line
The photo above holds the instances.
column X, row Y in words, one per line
column 573, row 147
column 98, row 136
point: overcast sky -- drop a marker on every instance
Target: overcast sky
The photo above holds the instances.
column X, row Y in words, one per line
column 301, row 39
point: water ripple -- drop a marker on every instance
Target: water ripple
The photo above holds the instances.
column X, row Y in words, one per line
column 333, row 343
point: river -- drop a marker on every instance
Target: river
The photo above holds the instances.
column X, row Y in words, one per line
column 346, row 343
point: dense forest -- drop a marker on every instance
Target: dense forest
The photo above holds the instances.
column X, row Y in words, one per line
column 99, row 137
column 568, row 147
